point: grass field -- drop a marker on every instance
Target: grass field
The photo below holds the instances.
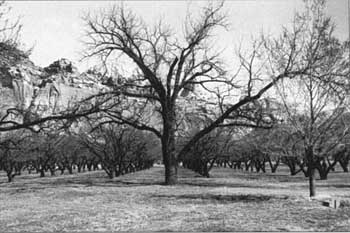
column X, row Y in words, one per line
column 229, row 201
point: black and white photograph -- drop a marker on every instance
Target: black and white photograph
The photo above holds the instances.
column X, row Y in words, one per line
column 175, row 116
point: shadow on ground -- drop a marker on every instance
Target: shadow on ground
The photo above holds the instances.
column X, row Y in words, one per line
column 214, row 184
column 223, row 198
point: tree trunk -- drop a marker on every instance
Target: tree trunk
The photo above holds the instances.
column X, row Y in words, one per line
column 345, row 169
column 323, row 175
column 311, row 171
column 9, row 178
column 206, row 169
column 42, row 173
column 312, row 185
column 246, row 165
column 110, row 173
column 262, row 166
column 257, row 166
column 52, row 172
column 273, row 166
column 10, row 175
column 170, row 165
column 324, row 168
column 168, row 146
column 344, row 165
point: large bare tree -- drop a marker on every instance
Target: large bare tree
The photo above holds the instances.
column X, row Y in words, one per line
column 166, row 71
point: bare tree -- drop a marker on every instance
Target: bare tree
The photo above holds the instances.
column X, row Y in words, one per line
column 12, row 157
column 314, row 101
column 169, row 70
column 119, row 149
column 205, row 152
column 9, row 31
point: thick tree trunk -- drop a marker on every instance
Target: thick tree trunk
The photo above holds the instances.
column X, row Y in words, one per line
column 170, row 165
column 168, row 148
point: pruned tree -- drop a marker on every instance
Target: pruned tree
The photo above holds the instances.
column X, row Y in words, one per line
column 12, row 155
column 43, row 150
column 204, row 153
column 119, row 149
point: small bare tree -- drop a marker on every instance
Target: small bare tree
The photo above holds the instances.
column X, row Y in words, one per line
column 315, row 101
column 119, row 149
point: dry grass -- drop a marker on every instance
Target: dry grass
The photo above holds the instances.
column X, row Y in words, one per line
column 229, row 201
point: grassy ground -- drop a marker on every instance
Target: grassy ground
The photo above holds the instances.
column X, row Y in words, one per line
column 229, row 201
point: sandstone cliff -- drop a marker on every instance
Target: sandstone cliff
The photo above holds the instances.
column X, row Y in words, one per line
column 43, row 91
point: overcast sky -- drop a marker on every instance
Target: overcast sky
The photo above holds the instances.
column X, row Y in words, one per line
column 55, row 28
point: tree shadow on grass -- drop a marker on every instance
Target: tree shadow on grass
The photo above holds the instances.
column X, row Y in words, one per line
column 212, row 184
column 106, row 182
column 271, row 177
column 223, row 198
column 339, row 185
column 73, row 182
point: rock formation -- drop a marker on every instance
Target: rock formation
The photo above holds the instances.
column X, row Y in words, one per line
column 42, row 91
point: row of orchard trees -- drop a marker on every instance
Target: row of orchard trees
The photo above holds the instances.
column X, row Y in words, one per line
column 282, row 144
column 117, row 150
column 171, row 74
column 308, row 136
column 312, row 133
column 310, row 109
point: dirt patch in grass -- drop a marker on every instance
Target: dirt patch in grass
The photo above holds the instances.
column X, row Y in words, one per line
column 228, row 201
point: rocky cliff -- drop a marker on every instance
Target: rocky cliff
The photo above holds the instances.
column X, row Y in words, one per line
column 27, row 87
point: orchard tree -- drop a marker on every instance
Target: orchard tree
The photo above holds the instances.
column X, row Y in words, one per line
column 168, row 69
column 204, row 153
column 316, row 100
column 12, row 153
column 119, row 149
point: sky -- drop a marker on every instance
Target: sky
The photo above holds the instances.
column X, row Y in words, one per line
column 55, row 29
